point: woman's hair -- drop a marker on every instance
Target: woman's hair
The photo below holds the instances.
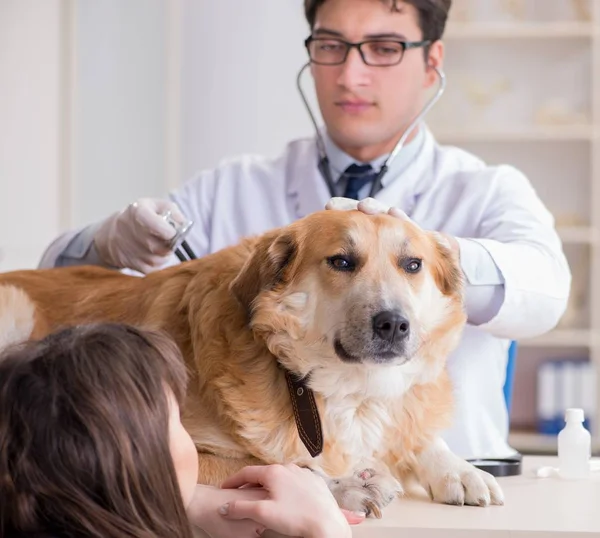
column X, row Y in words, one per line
column 84, row 442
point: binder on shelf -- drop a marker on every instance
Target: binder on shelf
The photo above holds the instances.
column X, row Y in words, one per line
column 562, row 384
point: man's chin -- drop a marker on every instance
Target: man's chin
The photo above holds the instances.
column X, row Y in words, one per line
column 356, row 135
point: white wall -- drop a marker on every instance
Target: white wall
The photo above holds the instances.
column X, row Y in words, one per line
column 104, row 101
column 226, row 69
column 120, row 105
column 30, row 128
column 82, row 115
column 240, row 61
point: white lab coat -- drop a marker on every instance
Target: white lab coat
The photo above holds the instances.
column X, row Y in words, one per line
column 445, row 189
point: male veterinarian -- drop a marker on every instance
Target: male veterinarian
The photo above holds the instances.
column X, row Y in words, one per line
column 517, row 276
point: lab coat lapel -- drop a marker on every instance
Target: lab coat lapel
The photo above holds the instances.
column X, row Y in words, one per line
column 307, row 191
column 404, row 190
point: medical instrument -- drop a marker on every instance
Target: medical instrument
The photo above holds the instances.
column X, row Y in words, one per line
column 574, row 446
column 323, row 164
column 501, row 466
column 181, row 231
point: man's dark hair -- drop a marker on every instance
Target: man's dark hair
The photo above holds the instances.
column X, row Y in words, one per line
column 432, row 14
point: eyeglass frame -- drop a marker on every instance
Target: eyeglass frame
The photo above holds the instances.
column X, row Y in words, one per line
column 406, row 45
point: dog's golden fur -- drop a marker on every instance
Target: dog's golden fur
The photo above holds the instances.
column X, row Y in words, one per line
column 280, row 300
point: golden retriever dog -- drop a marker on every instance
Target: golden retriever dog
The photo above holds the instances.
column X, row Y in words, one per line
column 355, row 313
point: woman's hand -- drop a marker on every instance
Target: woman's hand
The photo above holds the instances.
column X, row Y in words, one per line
column 297, row 502
column 203, row 512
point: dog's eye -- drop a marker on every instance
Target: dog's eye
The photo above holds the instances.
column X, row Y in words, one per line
column 412, row 265
column 341, row 263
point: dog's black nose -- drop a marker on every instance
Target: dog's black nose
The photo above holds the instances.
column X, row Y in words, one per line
column 390, row 326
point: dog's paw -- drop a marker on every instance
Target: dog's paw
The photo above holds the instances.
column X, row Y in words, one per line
column 462, row 483
column 366, row 491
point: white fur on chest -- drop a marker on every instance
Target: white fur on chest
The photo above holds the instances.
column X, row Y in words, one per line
column 357, row 428
column 360, row 404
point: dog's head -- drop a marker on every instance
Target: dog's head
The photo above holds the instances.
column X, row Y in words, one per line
column 343, row 287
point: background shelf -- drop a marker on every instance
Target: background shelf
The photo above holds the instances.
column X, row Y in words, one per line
column 525, row 30
column 540, row 114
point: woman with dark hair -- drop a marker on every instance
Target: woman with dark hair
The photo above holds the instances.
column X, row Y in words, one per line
column 91, row 445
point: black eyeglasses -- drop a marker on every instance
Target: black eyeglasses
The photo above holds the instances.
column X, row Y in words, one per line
column 375, row 52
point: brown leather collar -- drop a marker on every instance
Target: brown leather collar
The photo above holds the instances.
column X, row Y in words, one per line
column 306, row 414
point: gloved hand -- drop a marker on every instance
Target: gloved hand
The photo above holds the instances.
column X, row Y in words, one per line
column 138, row 237
column 371, row 206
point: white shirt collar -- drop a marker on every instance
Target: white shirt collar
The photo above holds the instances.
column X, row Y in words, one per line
column 339, row 160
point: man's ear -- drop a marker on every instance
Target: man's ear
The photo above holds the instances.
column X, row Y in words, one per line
column 265, row 267
column 447, row 272
column 435, row 58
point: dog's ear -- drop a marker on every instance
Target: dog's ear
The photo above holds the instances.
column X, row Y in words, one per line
column 265, row 267
column 446, row 271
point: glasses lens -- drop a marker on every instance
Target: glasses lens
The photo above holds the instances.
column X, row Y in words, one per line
column 327, row 51
column 382, row 52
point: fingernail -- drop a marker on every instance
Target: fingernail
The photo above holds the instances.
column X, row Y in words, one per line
column 224, row 510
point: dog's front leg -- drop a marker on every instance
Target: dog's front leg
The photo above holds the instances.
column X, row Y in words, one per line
column 213, row 470
column 452, row 480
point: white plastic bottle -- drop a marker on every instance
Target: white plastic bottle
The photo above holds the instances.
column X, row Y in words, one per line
column 574, row 446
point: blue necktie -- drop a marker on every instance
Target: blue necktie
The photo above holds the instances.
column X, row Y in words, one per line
column 358, row 177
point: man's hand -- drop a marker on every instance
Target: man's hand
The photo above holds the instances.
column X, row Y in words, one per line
column 138, row 237
column 370, row 206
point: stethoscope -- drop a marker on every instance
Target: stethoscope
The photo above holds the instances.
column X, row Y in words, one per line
column 180, row 245
column 323, row 163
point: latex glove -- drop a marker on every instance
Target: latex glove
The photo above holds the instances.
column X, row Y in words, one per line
column 299, row 503
column 371, row 206
column 138, row 236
